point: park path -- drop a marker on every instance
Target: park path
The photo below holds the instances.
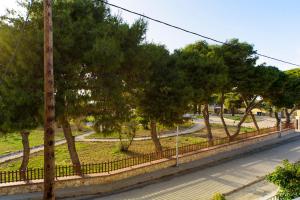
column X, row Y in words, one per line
column 264, row 122
column 19, row 154
column 81, row 138
column 199, row 124
column 223, row 178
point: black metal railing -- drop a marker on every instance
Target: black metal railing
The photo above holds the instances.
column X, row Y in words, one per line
column 106, row 167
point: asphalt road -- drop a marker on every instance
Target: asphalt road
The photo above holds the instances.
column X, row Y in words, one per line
column 223, row 178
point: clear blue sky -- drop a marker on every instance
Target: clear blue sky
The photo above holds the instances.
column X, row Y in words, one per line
column 271, row 25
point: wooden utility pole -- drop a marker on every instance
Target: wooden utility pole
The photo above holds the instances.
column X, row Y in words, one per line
column 49, row 157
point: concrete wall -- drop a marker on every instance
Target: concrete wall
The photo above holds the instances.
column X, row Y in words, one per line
column 122, row 179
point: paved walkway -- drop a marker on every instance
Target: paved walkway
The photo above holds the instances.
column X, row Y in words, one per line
column 223, row 178
column 198, row 126
column 82, row 138
column 19, row 154
column 266, row 122
column 263, row 122
column 258, row 190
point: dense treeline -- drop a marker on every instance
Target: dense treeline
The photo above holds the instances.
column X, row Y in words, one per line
column 104, row 68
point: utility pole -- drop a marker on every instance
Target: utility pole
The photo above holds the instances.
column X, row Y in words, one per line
column 280, row 125
column 177, row 158
column 49, row 109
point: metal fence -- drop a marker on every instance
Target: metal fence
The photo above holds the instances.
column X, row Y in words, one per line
column 106, row 167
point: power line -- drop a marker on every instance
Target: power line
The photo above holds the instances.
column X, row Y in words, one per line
column 191, row 32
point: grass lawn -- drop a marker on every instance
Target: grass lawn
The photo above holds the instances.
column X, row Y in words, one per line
column 238, row 118
column 218, row 131
column 95, row 152
column 140, row 132
column 12, row 142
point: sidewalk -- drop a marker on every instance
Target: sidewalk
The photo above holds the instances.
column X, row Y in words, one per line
column 197, row 180
column 222, row 178
column 255, row 191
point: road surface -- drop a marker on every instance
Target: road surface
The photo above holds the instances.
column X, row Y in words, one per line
column 223, row 178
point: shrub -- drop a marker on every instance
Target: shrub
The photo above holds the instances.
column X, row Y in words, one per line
column 218, row 196
column 287, row 178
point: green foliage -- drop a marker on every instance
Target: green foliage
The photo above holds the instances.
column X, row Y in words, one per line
column 89, row 119
column 21, row 80
column 283, row 92
column 163, row 95
column 287, row 177
column 95, row 56
column 291, row 96
column 204, row 70
column 239, row 58
column 233, row 101
column 218, row 196
column 105, row 70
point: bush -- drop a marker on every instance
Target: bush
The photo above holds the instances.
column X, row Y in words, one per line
column 218, row 196
column 287, row 178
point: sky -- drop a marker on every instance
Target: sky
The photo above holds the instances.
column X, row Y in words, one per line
column 272, row 26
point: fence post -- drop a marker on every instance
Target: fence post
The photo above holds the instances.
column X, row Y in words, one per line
column 280, row 128
column 5, row 177
column 108, row 167
column 177, row 133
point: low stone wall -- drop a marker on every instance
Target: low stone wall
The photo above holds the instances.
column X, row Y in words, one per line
column 124, row 178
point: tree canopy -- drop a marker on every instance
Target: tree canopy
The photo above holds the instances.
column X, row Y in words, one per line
column 105, row 68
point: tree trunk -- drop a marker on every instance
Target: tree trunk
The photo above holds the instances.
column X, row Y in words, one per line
column 199, row 108
column 222, row 116
column 270, row 112
column 26, row 154
column 288, row 117
column 71, row 145
column 277, row 120
column 78, row 124
column 232, row 111
column 254, row 121
column 154, row 136
column 239, row 126
column 207, row 124
column 195, row 108
column 249, row 107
